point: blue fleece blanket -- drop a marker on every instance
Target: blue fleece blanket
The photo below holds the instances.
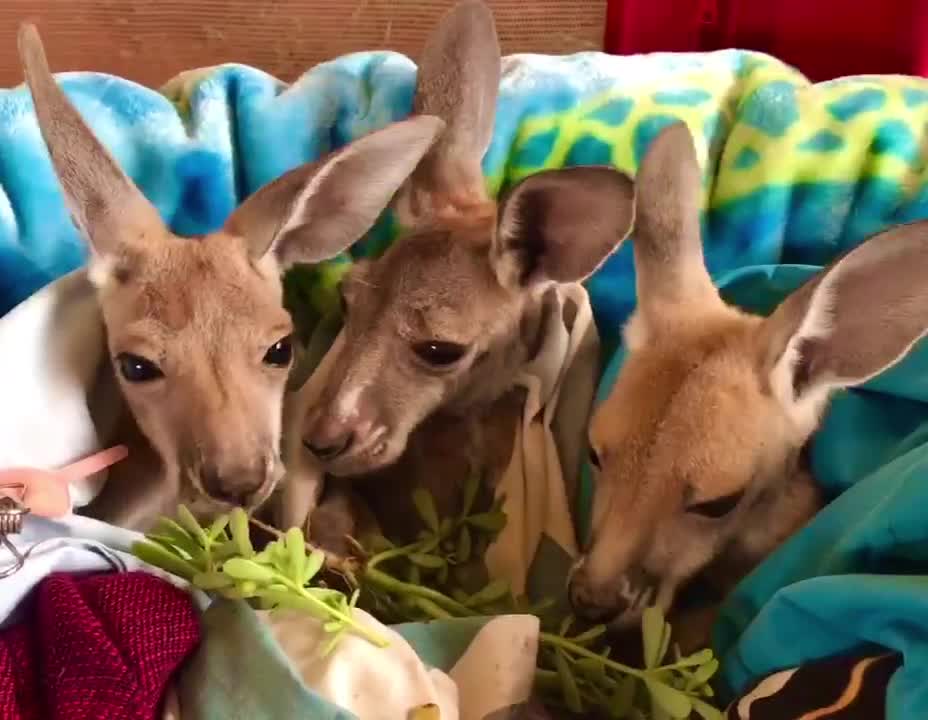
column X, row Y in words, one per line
column 795, row 173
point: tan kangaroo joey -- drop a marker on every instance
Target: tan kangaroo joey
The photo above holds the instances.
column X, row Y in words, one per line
column 698, row 445
column 195, row 326
column 417, row 388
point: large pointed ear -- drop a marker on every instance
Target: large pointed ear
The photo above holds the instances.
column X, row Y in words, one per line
column 560, row 225
column 458, row 81
column 849, row 323
column 107, row 208
column 669, row 266
column 318, row 210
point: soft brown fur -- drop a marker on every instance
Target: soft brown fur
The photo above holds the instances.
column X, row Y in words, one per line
column 713, row 403
column 466, row 272
column 206, row 311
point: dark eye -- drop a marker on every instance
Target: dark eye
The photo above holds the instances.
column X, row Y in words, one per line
column 594, row 459
column 280, row 353
column 718, row 508
column 439, row 353
column 136, row 369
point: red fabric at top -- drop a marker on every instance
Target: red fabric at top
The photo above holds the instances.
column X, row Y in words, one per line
column 99, row 647
column 824, row 39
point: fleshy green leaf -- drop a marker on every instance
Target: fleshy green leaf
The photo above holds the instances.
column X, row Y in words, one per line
column 217, row 527
column 247, row 588
column 594, row 668
column 568, row 684
column 167, row 528
column 623, row 697
column 238, row 520
column 161, row 557
column 296, row 553
column 590, row 635
column 427, row 561
column 224, row 551
column 496, row 590
column 703, row 656
column 675, row 703
column 312, row 565
column 425, row 506
column 212, row 580
column 462, row 552
column 653, row 628
column 246, row 569
column 470, row 494
column 704, row 672
column 705, row 710
column 190, row 524
column 665, row 643
column 489, row 521
column 377, row 543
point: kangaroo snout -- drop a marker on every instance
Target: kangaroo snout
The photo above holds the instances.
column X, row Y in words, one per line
column 241, row 485
column 620, row 600
column 329, row 437
column 345, row 429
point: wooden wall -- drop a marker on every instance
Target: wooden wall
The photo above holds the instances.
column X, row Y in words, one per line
column 150, row 41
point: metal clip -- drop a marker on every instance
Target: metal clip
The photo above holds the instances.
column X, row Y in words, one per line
column 12, row 512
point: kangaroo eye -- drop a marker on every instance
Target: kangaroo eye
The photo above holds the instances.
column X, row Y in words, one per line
column 718, row 508
column 594, row 459
column 280, row 353
column 439, row 353
column 136, row 369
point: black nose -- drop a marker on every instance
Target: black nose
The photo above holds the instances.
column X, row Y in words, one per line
column 636, row 589
column 331, row 449
column 235, row 487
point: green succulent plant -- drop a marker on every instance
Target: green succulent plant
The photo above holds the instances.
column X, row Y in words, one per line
column 433, row 578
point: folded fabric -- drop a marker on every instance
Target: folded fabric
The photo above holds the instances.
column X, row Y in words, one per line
column 73, row 544
column 263, row 666
column 97, row 646
column 847, row 687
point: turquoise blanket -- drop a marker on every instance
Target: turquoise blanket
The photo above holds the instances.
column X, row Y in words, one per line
column 795, row 173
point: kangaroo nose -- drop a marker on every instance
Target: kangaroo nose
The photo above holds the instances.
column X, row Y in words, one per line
column 328, row 439
column 238, row 486
column 597, row 600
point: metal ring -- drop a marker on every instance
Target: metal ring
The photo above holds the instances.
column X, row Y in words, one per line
column 18, row 559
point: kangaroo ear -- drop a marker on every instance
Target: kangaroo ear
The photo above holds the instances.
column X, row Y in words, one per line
column 107, row 208
column 458, row 81
column 849, row 323
column 318, row 210
column 669, row 266
column 560, row 225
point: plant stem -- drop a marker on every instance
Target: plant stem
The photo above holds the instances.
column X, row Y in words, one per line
column 393, row 553
column 391, row 584
column 574, row 649
column 336, row 563
column 433, row 609
column 325, row 608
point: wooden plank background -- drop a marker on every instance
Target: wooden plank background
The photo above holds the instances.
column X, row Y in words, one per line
column 150, row 41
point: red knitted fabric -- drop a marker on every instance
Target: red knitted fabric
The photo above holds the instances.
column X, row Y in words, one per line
column 95, row 647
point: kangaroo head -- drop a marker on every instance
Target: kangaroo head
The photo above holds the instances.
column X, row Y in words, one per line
column 195, row 326
column 696, row 447
column 445, row 317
